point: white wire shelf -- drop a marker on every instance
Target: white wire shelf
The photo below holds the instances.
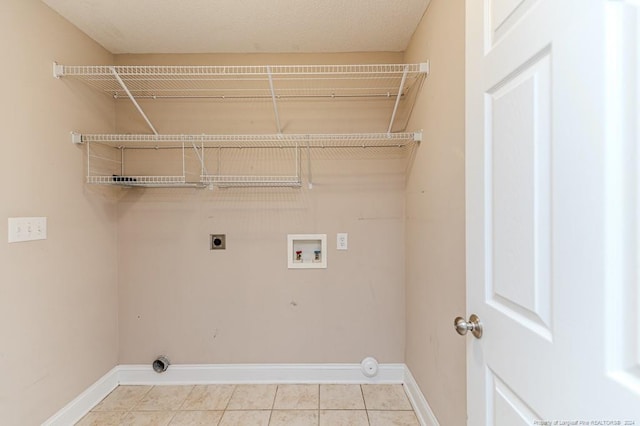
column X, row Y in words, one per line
column 250, row 82
column 252, row 181
column 208, row 160
column 346, row 140
column 144, row 181
column 220, row 181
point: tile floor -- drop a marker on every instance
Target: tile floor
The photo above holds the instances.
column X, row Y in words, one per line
column 259, row 405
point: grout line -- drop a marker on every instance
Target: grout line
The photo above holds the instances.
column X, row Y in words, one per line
column 364, row 401
column 193, row 387
column 226, row 407
column 273, row 404
column 319, row 404
column 136, row 401
column 222, row 416
column 175, row 413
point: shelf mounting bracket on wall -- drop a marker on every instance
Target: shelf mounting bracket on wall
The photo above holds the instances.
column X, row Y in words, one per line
column 135, row 103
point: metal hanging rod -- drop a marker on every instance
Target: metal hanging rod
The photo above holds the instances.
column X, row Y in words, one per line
column 361, row 146
column 383, row 96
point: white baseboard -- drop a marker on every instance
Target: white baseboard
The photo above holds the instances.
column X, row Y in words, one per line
column 83, row 403
column 418, row 401
column 258, row 373
column 241, row 373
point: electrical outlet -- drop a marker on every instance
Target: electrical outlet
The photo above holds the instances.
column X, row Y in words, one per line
column 218, row 242
column 27, row 229
column 343, row 241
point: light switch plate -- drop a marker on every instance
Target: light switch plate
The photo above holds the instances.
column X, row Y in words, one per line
column 27, row 229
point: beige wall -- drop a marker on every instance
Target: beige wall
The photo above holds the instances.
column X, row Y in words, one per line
column 58, row 300
column 243, row 305
column 435, row 244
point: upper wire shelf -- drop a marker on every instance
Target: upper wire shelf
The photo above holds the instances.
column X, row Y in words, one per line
column 251, row 82
column 338, row 140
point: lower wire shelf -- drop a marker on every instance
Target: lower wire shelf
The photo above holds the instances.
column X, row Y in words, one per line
column 144, row 181
column 199, row 161
column 252, row 181
column 206, row 181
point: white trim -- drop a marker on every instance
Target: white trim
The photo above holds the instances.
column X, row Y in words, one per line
column 418, row 401
column 83, row 403
column 258, row 373
column 242, row 373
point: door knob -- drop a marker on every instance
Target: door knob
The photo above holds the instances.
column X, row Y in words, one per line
column 473, row 325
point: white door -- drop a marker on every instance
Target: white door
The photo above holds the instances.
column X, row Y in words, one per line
column 552, row 211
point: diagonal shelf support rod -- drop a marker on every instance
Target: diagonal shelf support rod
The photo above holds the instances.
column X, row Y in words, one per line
column 400, row 89
column 273, row 98
column 309, row 163
column 184, row 164
column 298, row 165
column 200, row 157
column 126, row 89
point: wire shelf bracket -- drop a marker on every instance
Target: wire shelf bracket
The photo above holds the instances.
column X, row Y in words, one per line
column 135, row 103
column 398, row 97
column 273, row 98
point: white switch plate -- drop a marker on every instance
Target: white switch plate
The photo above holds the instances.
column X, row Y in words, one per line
column 27, row 229
column 343, row 241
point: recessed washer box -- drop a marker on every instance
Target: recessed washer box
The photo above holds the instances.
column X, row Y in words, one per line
column 307, row 251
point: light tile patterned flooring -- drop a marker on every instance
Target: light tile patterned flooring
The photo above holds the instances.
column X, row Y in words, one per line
column 259, row 405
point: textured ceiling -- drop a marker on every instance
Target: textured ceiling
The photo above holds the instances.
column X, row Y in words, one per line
column 245, row 26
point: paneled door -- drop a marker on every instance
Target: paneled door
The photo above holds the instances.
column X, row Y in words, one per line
column 553, row 190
